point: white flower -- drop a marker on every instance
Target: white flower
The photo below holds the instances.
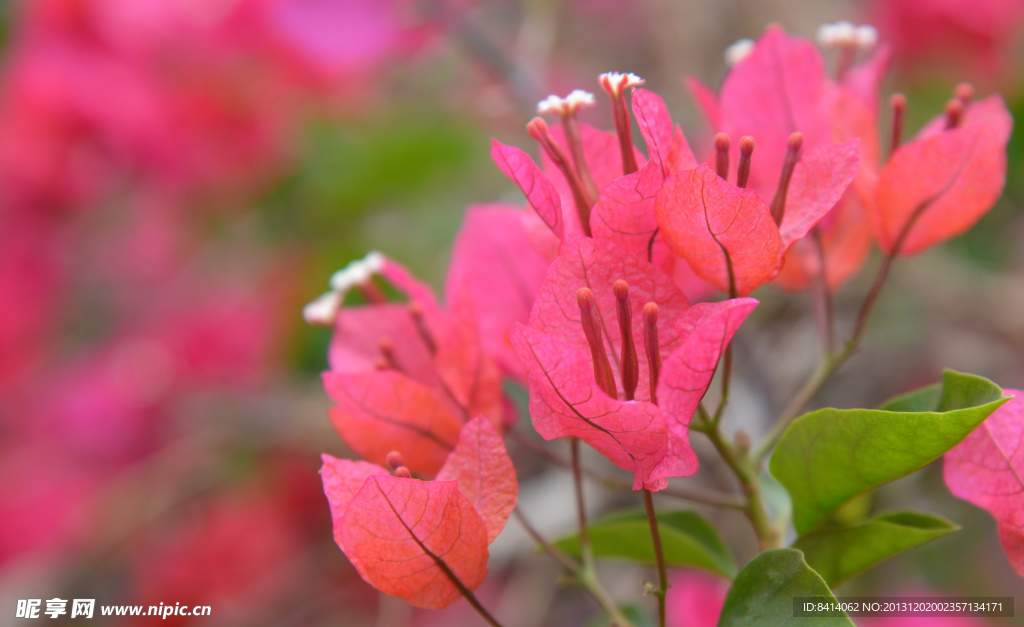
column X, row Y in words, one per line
column 357, row 272
column 867, row 36
column 845, row 35
column 560, row 106
column 615, row 82
column 324, row 310
column 738, row 51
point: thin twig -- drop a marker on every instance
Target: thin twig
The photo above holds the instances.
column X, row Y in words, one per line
column 693, row 494
column 564, row 560
column 833, row 362
column 659, row 556
column 823, row 309
column 581, row 510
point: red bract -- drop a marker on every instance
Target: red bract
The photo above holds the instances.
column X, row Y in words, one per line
column 666, row 143
column 597, row 265
column 385, row 411
column 468, row 376
column 540, row 192
column 986, row 469
column 406, row 376
column 565, row 400
column 624, row 213
column 485, row 474
column 592, row 286
column 411, row 538
column 600, row 152
column 493, row 260
column 938, row 185
column 704, row 331
column 780, row 88
column 727, row 233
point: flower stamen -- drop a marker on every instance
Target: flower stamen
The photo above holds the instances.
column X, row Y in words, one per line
column 615, row 84
column 566, row 108
column 898, row 102
column 722, row 155
column 538, row 129
column 793, row 146
column 592, row 329
column 954, row 113
column 416, row 311
column 650, row 316
column 743, row 169
column 630, row 364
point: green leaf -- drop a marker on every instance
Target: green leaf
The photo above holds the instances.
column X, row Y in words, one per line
column 763, row 592
column 842, row 552
column 831, row 455
column 686, row 537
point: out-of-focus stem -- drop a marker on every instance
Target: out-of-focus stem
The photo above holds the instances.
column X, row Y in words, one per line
column 696, row 495
column 587, row 574
column 823, row 298
column 833, row 362
column 659, row 556
column 564, row 560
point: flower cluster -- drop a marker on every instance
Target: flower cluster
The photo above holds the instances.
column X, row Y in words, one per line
column 584, row 296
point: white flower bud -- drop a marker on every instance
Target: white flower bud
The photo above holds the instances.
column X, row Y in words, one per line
column 615, row 82
column 867, row 36
column 738, row 51
column 560, row 106
column 357, row 272
column 846, row 35
column 324, row 310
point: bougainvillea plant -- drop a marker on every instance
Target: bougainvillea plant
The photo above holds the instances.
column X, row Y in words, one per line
column 613, row 297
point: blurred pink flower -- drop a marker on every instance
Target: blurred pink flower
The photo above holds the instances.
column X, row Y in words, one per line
column 232, row 552
column 971, row 36
column 695, row 599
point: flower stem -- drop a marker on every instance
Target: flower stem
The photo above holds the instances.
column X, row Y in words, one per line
column 581, row 510
column 696, row 495
column 745, row 469
column 727, row 361
column 824, row 312
column 587, row 574
column 831, row 363
column 564, row 560
column 659, row 556
column 590, row 584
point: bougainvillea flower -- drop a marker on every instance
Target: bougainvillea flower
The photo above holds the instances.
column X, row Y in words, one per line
column 938, row 185
column 780, row 87
column 624, row 213
column 406, row 376
column 580, row 388
column 579, row 161
column 397, row 531
column 986, row 469
column 494, row 260
column 729, row 235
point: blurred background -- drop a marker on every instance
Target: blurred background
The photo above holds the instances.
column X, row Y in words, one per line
column 179, row 177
